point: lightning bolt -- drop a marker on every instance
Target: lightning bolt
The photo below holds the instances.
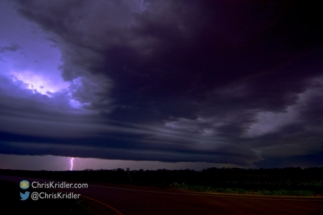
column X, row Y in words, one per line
column 72, row 159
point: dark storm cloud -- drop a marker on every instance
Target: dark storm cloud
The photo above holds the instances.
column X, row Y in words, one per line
column 227, row 82
column 12, row 47
column 180, row 53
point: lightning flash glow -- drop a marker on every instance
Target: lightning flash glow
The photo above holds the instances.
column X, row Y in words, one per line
column 72, row 160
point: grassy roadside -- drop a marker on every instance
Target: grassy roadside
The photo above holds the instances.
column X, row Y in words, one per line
column 280, row 192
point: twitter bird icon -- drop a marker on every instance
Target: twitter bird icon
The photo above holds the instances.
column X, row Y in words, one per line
column 24, row 196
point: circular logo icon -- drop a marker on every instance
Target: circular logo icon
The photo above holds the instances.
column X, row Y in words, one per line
column 24, row 184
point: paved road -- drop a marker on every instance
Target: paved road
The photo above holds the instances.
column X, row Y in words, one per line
column 136, row 200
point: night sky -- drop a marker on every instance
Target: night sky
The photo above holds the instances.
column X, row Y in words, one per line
column 161, row 84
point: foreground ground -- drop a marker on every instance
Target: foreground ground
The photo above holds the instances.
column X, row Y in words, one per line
column 145, row 200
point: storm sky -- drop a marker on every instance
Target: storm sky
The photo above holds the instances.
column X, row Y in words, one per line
column 223, row 83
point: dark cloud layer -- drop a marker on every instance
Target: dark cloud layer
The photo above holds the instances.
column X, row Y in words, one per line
column 227, row 82
column 12, row 47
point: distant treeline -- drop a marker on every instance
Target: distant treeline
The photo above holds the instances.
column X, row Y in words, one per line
column 249, row 179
